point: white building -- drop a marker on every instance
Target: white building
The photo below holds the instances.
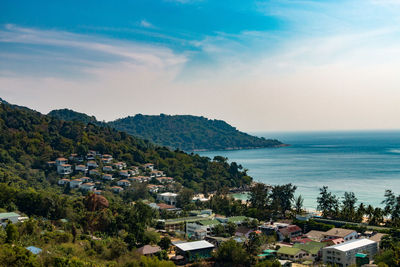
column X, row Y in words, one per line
column 117, row 189
column 87, row 186
column 92, row 164
column 64, row 169
column 107, row 177
column 61, row 161
column 9, row 216
column 168, row 197
column 75, row 183
column 63, row 181
column 107, row 168
column 123, row 183
column 345, row 254
column 81, row 168
column 124, row 173
column 149, row 166
column 346, row 234
column 94, row 172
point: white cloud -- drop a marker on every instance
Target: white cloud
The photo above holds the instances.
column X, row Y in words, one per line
column 146, row 24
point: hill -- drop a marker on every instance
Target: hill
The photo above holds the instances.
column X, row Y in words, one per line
column 186, row 132
column 29, row 139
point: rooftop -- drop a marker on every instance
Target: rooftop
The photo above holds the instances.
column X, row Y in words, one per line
column 194, row 245
column 289, row 251
column 350, row 245
column 5, row 215
column 339, row 232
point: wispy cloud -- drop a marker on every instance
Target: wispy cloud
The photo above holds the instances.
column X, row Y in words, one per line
column 146, row 24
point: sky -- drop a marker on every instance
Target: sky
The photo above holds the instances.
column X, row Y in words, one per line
column 278, row 65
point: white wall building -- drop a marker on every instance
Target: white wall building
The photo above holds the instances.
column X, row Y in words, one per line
column 345, row 254
column 168, row 197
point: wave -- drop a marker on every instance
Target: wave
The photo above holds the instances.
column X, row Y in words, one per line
column 396, row 151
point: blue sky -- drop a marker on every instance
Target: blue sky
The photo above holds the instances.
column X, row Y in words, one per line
column 260, row 65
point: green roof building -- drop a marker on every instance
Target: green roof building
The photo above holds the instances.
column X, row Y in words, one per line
column 290, row 253
column 312, row 248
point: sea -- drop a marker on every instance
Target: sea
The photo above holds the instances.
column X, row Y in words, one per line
column 364, row 162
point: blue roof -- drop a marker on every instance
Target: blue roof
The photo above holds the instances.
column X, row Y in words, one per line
column 34, row 250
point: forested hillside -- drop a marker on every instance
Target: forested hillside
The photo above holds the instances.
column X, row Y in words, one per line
column 29, row 139
column 186, row 132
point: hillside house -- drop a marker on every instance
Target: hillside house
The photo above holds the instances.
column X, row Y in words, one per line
column 75, row 183
column 124, row 173
column 107, row 177
column 92, row 164
column 9, row 216
column 108, row 168
column 94, row 172
column 346, row 234
column 61, row 161
column 81, row 168
column 165, row 180
column 168, row 197
column 194, row 250
column 87, row 186
column 123, row 183
column 85, row 179
column 117, row 189
column 64, row 169
column 289, row 253
column 148, row 166
column 63, row 181
column 290, row 232
column 119, row 165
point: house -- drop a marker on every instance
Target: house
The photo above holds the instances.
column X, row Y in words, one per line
column 123, row 183
column 290, row 232
column 119, row 165
column 94, row 172
column 238, row 220
column 92, row 164
column 124, row 173
column 97, row 192
column 377, row 237
column 61, row 161
column 154, row 174
column 168, row 197
column 134, row 171
column 64, row 169
column 117, row 189
column 106, row 158
column 148, row 250
column 289, row 253
column 81, row 168
column 345, row 254
column 333, row 241
column 243, row 231
column 107, row 168
column 51, row 163
column 346, row 234
column 165, row 180
column 316, row 235
column 9, row 216
column 63, row 181
column 194, row 250
column 75, row 183
column 87, row 186
column 209, row 225
column 313, row 249
column 154, row 188
column 149, row 166
column 196, row 231
column 107, row 177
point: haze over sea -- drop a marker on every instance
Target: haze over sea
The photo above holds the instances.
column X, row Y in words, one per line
column 364, row 162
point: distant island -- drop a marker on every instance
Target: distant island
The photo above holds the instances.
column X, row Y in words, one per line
column 185, row 132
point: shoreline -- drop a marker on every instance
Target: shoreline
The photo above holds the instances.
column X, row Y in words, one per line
column 238, row 148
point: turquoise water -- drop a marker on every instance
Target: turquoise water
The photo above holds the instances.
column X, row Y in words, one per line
column 365, row 163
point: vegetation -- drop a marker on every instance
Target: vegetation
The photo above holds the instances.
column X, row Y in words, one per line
column 184, row 132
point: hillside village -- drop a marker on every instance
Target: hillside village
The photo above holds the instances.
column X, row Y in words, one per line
column 200, row 233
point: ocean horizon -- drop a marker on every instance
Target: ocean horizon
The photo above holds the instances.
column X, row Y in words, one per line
column 364, row 162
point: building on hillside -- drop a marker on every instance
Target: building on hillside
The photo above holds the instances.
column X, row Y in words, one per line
column 238, row 220
column 344, row 254
column 87, row 186
column 75, row 183
column 148, row 250
column 316, row 235
column 106, row 158
column 154, row 188
column 194, row 250
column 165, row 180
column 377, row 237
column 64, row 169
column 196, row 231
column 289, row 253
column 107, row 177
column 124, row 173
column 9, row 216
column 61, row 161
column 149, row 166
column 290, row 232
column 108, row 168
column 346, row 234
column 92, row 164
column 81, row 168
column 243, row 231
column 119, row 165
column 134, row 171
column 168, row 197
column 63, row 181
column 94, row 172
column 85, row 179
column 117, row 189
column 313, row 249
column 333, row 241
column 209, row 225
column 123, row 183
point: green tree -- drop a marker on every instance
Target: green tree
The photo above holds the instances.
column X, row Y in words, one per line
column 165, row 243
column 298, row 204
column 348, row 206
column 328, row 203
column 184, row 197
column 231, row 253
column 12, row 232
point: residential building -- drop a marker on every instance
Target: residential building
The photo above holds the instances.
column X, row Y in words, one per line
column 63, row 181
column 148, row 250
column 85, row 179
column 290, row 232
column 149, row 166
column 92, row 164
column 81, row 168
column 123, row 183
column 196, row 231
column 75, row 183
column 345, row 254
column 117, row 189
column 107, row 177
column 119, row 165
column 346, row 234
column 107, row 168
column 313, row 249
column 124, row 173
column 165, row 180
column 87, row 186
column 94, row 172
column 289, row 253
column 168, row 197
column 9, row 216
column 61, row 161
column 194, row 250
column 64, row 169
column 316, row 235
column 238, row 220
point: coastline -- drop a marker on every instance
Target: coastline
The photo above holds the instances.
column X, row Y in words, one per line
column 238, row 148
